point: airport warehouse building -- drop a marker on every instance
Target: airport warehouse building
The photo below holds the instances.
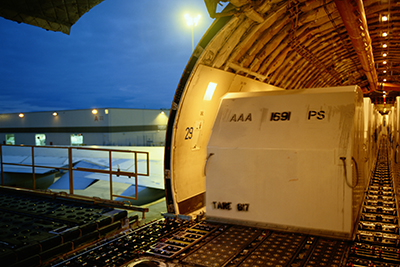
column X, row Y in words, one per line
column 103, row 126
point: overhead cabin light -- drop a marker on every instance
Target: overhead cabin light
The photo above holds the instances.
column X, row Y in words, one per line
column 384, row 18
column 384, row 54
column 384, row 62
column 384, row 71
column 94, row 111
column 210, row 91
column 384, row 45
column 55, row 114
column 21, row 115
column 384, row 80
column 384, row 34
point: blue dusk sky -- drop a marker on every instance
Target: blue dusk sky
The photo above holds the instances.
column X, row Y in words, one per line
column 121, row 54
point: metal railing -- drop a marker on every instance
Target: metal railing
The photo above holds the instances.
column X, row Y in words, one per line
column 71, row 168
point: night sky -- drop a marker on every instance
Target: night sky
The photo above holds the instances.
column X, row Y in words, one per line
column 121, row 54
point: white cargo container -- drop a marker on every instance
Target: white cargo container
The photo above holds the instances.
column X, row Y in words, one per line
column 369, row 143
column 396, row 131
column 289, row 160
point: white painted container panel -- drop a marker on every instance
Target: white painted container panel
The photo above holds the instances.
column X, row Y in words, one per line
column 275, row 159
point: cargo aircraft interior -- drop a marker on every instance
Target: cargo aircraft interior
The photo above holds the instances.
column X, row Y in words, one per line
column 282, row 148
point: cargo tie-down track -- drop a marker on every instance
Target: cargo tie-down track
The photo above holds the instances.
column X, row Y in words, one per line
column 377, row 238
column 182, row 241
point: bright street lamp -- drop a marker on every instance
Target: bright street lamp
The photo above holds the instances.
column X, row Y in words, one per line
column 192, row 22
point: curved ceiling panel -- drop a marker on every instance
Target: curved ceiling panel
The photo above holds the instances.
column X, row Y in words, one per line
column 305, row 44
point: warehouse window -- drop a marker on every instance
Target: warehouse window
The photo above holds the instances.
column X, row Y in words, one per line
column 40, row 139
column 76, row 139
column 10, row 139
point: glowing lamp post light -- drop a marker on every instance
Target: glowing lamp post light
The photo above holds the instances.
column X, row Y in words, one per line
column 192, row 22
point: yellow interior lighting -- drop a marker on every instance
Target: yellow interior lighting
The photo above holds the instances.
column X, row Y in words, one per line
column 210, row 91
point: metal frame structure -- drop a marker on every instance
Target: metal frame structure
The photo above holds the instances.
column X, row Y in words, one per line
column 71, row 168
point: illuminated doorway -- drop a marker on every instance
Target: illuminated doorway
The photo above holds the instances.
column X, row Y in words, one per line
column 10, row 139
column 76, row 139
column 40, row 139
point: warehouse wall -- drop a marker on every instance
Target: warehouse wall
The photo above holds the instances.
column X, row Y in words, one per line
column 122, row 127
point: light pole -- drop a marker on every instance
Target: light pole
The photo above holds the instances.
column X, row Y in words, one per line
column 192, row 22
